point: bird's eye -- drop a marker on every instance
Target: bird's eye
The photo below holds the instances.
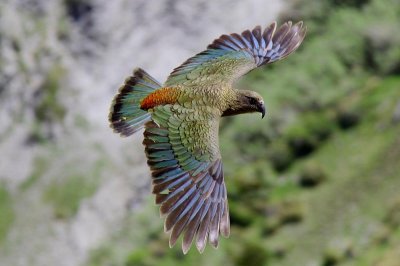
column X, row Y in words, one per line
column 253, row 101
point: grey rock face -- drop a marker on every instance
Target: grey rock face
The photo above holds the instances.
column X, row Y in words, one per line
column 61, row 62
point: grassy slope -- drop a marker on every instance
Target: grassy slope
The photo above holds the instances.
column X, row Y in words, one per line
column 363, row 176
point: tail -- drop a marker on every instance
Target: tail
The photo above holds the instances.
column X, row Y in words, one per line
column 125, row 116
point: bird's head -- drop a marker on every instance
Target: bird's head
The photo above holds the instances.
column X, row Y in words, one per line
column 252, row 101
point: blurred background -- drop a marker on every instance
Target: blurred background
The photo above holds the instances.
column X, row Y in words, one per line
column 316, row 183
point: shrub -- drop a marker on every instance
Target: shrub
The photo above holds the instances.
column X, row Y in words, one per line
column 338, row 251
column 291, row 212
column 253, row 254
column 393, row 216
column 347, row 119
column 67, row 194
column 280, row 156
column 308, row 132
column 350, row 3
column 311, row 175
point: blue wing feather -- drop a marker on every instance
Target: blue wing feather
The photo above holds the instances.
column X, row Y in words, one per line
column 253, row 46
column 186, row 188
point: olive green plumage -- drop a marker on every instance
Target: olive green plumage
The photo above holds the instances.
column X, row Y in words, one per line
column 181, row 120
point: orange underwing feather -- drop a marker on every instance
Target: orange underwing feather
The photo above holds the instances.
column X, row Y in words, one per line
column 160, row 97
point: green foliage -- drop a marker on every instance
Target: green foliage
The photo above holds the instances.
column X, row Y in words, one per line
column 288, row 211
column 337, row 252
column 66, row 195
column 139, row 258
column 392, row 218
column 6, row 212
column 103, row 256
column 254, row 254
column 383, row 42
column 347, row 118
column 251, row 178
column 312, row 174
column 350, row 3
column 379, row 102
column 280, row 155
column 48, row 107
column 40, row 165
column 308, row 132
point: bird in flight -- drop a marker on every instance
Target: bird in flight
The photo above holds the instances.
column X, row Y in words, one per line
column 181, row 120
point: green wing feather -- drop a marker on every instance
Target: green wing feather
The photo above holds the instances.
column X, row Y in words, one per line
column 182, row 150
column 231, row 56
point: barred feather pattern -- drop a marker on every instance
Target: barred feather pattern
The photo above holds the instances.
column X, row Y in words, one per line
column 231, row 56
column 190, row 190
column 265, row 47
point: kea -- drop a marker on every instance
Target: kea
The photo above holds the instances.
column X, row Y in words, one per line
column 181, row 120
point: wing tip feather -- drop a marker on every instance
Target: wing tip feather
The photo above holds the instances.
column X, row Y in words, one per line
column 258, row 42
column 250, row 44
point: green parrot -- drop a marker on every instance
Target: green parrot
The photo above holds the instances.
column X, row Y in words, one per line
column 181, row 120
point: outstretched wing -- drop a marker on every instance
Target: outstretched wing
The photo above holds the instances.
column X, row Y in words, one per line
column 182, row 149
column 231, row 56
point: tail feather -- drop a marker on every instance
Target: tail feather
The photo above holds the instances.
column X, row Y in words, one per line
column 126, row 117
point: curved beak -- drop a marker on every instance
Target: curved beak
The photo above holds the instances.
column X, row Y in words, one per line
column 261, row 109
